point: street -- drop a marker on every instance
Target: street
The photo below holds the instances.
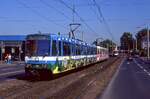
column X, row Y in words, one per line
column 85, row 83
column 9, row 71
column 131, row 81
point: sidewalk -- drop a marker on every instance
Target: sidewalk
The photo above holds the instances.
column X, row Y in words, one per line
column 147, row 61
column 14, row 63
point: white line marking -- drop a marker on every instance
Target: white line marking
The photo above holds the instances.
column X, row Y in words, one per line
column 6, row 69
column 106, row 94
column 148, row 73
column 82, row 75
column 91, row 82
column 9, row 73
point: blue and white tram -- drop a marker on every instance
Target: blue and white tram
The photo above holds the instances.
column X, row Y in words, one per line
column 49, row 53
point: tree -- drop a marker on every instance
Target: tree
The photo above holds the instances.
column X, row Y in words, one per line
column 126, row 41
column 139, row 36
column 106, row 43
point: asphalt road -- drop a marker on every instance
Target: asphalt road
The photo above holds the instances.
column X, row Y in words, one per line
column 10, row 71
column 131, row 81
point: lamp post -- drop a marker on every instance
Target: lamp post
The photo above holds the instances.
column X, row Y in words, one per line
column 135, row 47
column 135, row 42
column 148, row 43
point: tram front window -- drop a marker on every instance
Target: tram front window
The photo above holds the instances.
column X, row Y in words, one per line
column 43, row 48
column 37, row 47
column 31, row 47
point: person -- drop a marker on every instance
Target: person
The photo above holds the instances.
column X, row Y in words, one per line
column 9, row 58
column 6, row 58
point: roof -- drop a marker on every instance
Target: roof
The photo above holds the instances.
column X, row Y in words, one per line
column 12, row 37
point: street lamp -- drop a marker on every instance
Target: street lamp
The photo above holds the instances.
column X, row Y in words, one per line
column 148, row 42
column 135, row 42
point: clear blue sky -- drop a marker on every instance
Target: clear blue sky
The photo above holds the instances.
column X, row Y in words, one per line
column 31, row 16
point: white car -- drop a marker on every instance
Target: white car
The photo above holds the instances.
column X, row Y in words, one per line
column 116, row 53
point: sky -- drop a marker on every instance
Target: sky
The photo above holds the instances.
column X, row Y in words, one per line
column 22, row 17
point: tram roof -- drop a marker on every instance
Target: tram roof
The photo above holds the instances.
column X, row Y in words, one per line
column 63, row 38
column 12, row 37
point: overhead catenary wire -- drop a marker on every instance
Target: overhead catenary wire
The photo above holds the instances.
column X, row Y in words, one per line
column 50, row 6
column 39, row 14
column 77, row 14
column 97, row 16
column 103, row 19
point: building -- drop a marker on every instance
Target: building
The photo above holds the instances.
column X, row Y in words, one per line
column 144, row 42
column 14, row 45
column 144, row 45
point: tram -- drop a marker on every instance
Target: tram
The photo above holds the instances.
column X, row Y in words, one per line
column 52, row 54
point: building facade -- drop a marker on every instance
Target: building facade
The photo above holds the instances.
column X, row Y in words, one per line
column 13, row 45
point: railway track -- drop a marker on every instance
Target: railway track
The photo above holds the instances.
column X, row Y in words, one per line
column 72, row 85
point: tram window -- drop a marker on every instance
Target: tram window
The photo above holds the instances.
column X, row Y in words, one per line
column 66, row 49
column 73, row 49
column 54, row 48
column 94, row 50
column 31, row 47
column 78, row 51
column 97, row 51
column 82, row 49
column 43, row 47
column 59, row 48
column 88, row 51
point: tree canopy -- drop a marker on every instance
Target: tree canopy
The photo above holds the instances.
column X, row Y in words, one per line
column 126, row 41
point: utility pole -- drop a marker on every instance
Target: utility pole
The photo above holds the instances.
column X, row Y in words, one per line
column 136, row 43
column 73, row 26
column 82, row 35
column 148, row 42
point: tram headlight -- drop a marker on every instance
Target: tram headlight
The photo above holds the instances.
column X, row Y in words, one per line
column 28, row 66
column 44, row 66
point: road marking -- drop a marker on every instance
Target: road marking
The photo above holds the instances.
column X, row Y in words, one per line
column 128, row 62
column 82, row 75
column 90, row 83
column 9, row 73
column 106, row 94
column 6, row 69
column 148, row 73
